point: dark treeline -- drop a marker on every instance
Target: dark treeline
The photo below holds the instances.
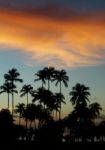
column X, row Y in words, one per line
column 43, row 116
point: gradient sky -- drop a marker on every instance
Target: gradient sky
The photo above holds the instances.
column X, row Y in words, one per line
column 68, row 34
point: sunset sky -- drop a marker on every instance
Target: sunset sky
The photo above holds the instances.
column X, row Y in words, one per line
column 67, row 34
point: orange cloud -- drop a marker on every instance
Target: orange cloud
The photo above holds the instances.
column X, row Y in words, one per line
column 69, row 42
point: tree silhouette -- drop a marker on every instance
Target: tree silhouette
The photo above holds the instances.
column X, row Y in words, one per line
column 79, row 94
column 59, row 98
column 7, row 87
column 31, row 113
column 49, row 71
column 45, row 99
column 26, row 90
column 95, row 109
column 38, row 95
column 60, row 77
column 41, row 74
column 12, row 76
column 6, row 126
column 20, row 109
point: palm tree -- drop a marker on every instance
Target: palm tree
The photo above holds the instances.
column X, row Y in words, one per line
column 79, row 94
column 43, row 96
column 60, row 77
column 30, row 113
column 7, row 87
column 38, row 95
column 41, row 74
column 59, row 98
column 95, row 109
column 49, row 71
column 20, row 109
column 12, row 76
column 26, row 90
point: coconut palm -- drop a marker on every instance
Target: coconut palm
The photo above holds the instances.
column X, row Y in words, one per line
column 7, row 87
column 60, row 77
column 43, row 96
column 20, row 109
column 95, row 109
column 59, row 98
column 38, row 95
column 79, row 94
column 49, row 71
column 30, row 113
column 41, row 74
column 26, row 90
column 12, row 76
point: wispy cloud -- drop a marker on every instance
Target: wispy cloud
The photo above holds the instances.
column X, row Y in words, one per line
column 78, row 40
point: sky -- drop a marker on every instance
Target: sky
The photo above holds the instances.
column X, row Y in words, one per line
column 67, row 34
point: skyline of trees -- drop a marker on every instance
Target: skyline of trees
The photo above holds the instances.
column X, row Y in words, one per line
column 47, row 75
column 43, row 113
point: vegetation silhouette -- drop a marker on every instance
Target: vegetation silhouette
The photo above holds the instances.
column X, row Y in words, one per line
column 12, row 76
column 40, row 120
column 26, row 90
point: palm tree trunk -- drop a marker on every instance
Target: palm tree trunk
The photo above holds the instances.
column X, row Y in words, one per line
column 27, row 98
column 42, row 84
column 60, row 103
column 60, row 88
column 12, row 100
column 59, row 115
column 56, row 115
column 48, row 84
column 12, row 103
column 19, row 120
column 8, row 100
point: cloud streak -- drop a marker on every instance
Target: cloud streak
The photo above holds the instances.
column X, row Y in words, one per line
column 71, row 41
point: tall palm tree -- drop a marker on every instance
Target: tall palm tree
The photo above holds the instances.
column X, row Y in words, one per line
column 7, row 87
column 30, row 113
column 79, row 94
column 20, row 109
column 41, row 74
column 43, row 96
column 60, row 77
column 59, row 98
column 38, row 95
column 26, row 90
column 95, row 109
column 49, row 71
column 12, row 76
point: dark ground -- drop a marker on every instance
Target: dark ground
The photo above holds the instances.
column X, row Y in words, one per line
column 31, row 145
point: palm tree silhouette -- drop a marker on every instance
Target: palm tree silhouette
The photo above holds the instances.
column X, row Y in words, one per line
column 12, row 76
column 60, row 77
column 95, row 109
column 79, row 94
column 59, row 98
column 30, row 113
column 49, row 71
column 7, row 87
column 44, row 97
column 38, row 95
column 20, row 109
column 26, row 90
column 41, row 74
